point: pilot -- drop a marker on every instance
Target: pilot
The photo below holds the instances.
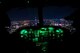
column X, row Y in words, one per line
column 4, row 34
column 75, row 37
column 4, row 21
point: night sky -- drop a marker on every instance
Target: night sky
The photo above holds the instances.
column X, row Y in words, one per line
column 31, row 13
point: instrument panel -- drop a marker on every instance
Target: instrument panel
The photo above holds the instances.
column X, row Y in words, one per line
column 41, row 34
column 42, row 37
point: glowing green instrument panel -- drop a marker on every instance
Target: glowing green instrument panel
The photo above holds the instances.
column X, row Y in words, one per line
column 42, row 35
column 38, row 34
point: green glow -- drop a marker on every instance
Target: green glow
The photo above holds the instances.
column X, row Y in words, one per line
column 44, row 29
column 44, row 48
column 40, row 31
column 37, row 33
column 59, row 31
column 51, row 29
column 44, row 33
column 45, row 43
column 23, row 32
column 35, row 39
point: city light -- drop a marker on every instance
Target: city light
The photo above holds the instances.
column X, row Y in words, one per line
column 51, row 22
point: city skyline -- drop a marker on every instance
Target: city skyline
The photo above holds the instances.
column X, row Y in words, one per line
column 17, row 24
